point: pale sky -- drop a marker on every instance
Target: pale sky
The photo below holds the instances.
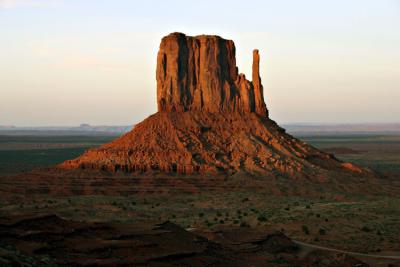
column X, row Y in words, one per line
column 66, row 62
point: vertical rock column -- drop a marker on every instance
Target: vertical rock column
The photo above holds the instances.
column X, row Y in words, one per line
column 260, row 107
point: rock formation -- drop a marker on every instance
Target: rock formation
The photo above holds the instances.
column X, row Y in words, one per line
column 258, row 88
column 210, row 119
column 200, row 73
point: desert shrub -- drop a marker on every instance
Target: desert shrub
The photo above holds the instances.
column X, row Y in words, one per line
column 287, row 208
column 244, row 224
column 322, row 231
column 278, row 261
column 305, row 229
column 219, row 214
column 201, row 214
column 254, row 210
column 365, row 229
column 308, row 207
column 245, row 199
column 262, row 218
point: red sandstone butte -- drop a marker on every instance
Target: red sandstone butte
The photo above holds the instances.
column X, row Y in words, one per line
column 210, row 119
column 200, row 73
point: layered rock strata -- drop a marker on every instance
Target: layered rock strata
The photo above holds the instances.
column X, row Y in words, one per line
column 200, row 73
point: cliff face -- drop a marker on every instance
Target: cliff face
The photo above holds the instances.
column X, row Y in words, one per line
column 200, row 73
column 210, row 119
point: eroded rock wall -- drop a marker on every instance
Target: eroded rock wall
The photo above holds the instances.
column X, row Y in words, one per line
column 200, row 73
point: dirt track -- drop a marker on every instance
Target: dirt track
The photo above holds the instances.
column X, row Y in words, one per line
column 377, row 260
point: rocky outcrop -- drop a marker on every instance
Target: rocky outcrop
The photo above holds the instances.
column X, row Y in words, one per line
column 210, row 119
column 48, row 240
column 200, row 73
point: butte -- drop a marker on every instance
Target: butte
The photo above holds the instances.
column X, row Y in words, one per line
column 211, row 120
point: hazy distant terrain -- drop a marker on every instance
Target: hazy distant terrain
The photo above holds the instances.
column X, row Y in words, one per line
column 329, row 129
column 21, row 153
column 296, row 129
column 83, row 129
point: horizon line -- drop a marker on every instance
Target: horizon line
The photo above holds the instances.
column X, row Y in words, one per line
column 128, row 125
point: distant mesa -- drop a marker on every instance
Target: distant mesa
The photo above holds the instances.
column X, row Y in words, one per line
column 7, row 127
column 210, row 119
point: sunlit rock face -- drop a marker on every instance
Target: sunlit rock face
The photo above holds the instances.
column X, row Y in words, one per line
column 200, row 73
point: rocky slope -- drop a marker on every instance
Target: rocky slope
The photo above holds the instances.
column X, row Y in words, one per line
column 49, row 240
column 210, row 119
